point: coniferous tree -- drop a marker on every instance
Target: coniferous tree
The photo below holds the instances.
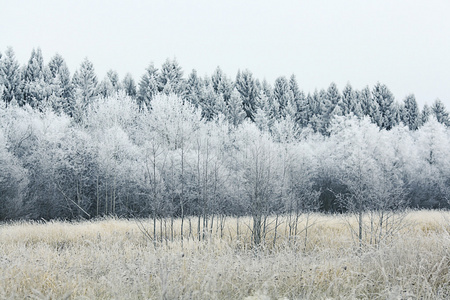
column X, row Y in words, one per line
column 148, row 86
column 317, row 105
column 425, row 114
column 266, row 88
column 338, row 109
column 300, row 101
column 62, row 88
column 236, row 113
column 208, row 102
column 105, row 88
column 293, row 86
column 327, row 100
column 358, row 110
column 10, row 74
column 246, row 86
column 333, row 96
column 85, row 88
column 170, row 79
column 366, row 101
column 34, row 85
column 129, row 86
column 439, row 111
column 281, row 95
column 194, row 85
column 290, row 111
column 410, row 113
column 385, row 100
column 349, row 99
column 221, row 84
column 113, row 77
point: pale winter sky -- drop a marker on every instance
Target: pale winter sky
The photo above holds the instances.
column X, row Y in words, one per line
column 404, row 44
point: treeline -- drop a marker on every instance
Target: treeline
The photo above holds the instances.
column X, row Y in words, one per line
column 51, row 85
column 165, row 153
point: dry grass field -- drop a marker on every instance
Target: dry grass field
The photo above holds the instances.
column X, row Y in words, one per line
column 115, row 259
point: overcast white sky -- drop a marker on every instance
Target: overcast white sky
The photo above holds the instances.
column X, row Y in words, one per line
column 404, row 44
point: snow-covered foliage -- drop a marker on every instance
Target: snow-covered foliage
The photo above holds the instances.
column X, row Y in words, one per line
column 204, row 146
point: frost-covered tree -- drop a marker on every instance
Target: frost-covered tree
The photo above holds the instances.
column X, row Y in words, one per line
column 366, row 176
column 385, row 100
column 349, row 100
column 425, row 114
column 35, row 89
column 109, row 85
column 246, row 86
column 281, row 94
column 105, row 88
column 315, row 111
column 13, row 181
column 170, row 79
column 113, row 77
column 62, row 88
column 299, row 100
column 431, row 175
column 194, row 86
column 365, row 98
column 236, row 114
column 209, row 103
column 440, row 112
column 85, row 83
column 333, row 96
column 266, row 112
column 10, row 74
column 259, row 176
column 129, row 86
column 172, row 118
column 410, row 115
column 148, row 86
column 221, row 84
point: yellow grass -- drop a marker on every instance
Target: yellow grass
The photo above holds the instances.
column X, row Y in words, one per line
column 113, row 259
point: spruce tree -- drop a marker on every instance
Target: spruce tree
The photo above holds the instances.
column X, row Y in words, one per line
column 113, row 77
column 129, row 86
column 236, row 113
column 385, row 100
column 208, row 102
column 318, row 111
column 425, row 114
column 328, row 100
column 246, row 86
column 62, row 88
column 410, row 113
column 105, row 88
column 349, row 99
column 85, row 83
column 221, row 84
column 148, row 86
column 281, row 95
column 293, row 86
column 333, row 96
column 299, row 100
column 170, row 79
column 34, row 85
column 439, row 111
column 10, row 73
column 366, row 101
column 194, row 86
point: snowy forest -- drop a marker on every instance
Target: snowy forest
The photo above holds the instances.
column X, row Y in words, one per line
column 173, row 145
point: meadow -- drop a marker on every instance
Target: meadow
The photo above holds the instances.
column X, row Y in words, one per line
column 115, row 258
